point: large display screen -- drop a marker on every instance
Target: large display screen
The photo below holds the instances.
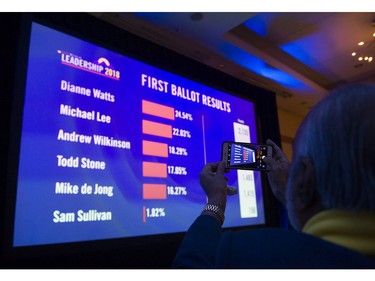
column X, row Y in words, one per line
column 112, row 147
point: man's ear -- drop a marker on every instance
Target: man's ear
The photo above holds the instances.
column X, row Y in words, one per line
column 303, row 199
column 306, row 194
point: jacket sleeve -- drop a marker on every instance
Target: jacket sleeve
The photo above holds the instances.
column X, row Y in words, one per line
column 199, row 246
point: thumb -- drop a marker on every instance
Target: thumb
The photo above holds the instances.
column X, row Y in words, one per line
column 221, row 168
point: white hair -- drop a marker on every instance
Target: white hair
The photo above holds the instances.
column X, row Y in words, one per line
column 338, row 135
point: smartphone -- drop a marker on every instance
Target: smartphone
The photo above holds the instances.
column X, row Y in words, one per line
column 245, row 156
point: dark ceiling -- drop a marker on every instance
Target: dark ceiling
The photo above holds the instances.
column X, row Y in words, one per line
column 299, row 55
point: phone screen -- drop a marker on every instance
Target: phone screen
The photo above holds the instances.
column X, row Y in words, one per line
column 245, row 155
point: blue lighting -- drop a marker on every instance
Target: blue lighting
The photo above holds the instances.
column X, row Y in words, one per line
column 258, row 66
column 297, row 52
column 258, row 24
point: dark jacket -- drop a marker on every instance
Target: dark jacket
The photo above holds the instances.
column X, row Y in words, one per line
column 204, row 246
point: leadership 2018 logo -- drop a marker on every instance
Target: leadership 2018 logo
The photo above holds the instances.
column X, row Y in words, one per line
column 101, row 67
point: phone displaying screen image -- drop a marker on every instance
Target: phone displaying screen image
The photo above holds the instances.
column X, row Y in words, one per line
column 245, row 156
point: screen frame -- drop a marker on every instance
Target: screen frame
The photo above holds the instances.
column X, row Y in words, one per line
column 122, row 252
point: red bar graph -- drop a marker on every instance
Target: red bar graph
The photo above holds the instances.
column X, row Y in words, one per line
column 154, row 191
column 154, row 148
column 156, row 129
column 152, row 169
column 156, row 109
column 245, row 155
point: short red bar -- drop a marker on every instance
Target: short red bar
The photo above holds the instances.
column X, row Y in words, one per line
column 152, row 169
column 156, row 129
column 144, row 214
column 156, row 109
column 154, row 191
column 154, row 148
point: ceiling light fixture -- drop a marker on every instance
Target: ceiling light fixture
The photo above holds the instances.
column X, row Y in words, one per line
column 364, row 51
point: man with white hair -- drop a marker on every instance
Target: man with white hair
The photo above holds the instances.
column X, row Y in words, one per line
column 328, row 190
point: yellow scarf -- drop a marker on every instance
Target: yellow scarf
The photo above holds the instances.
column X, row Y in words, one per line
column 354, row 230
